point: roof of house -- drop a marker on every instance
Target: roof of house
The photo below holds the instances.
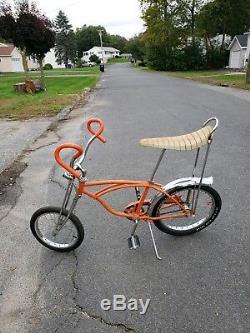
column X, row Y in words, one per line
column 106, row 48
column 6, row 49
column 242, row 40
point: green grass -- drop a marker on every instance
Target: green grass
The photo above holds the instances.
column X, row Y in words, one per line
column 117, row 60
column 61, row 91
column 214, row 77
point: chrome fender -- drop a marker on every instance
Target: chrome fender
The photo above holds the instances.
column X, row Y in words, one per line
column 181, row 182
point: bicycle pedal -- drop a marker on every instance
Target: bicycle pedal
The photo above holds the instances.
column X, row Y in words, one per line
column 133, row 242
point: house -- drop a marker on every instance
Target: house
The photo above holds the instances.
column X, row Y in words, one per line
column 50, row 58
column 239, row 51
column 104, row 53
column 11, row 60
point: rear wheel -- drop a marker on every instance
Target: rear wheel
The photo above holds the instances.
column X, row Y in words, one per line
column 208, row 208
column 48, row 225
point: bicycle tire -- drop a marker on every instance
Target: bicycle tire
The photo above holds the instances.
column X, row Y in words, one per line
column 166, row 227
column 52, row 244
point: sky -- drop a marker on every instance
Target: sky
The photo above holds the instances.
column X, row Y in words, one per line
column 120, row 17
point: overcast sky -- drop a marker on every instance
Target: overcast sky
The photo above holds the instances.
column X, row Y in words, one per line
column 120, row 17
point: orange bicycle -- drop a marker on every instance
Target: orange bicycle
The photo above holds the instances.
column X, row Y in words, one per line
column 181, row 207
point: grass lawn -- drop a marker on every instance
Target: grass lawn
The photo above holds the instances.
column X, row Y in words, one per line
column 62, row 88
column 235, row 80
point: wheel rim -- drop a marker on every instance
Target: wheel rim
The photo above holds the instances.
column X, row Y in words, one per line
column 204, row 211
column 45, row 227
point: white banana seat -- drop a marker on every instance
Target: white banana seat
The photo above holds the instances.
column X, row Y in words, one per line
column 185, row 142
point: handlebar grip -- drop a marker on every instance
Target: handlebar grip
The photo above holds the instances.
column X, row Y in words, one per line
column 98, row 132
column 65, row 165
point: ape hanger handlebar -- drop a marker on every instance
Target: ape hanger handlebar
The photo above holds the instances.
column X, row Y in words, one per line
column 81, row 152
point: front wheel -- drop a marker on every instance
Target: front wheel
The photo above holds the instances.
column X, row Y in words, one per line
column 208, row 208
column 49, row 226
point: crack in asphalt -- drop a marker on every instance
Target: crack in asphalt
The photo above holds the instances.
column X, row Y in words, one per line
column 43, row 146
column 82, row 311
column 39, row 287
column 119, row 326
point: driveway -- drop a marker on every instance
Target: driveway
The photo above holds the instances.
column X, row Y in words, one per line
column 200, row 285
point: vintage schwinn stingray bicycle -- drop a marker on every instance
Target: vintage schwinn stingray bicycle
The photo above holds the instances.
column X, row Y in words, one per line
column 182, row 207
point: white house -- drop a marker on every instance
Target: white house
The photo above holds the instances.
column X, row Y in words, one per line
column 239, row 51
column 50, row 58
column 11, row 60
column 105, row 52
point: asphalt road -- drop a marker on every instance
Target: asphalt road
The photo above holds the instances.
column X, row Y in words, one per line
column 201, row 285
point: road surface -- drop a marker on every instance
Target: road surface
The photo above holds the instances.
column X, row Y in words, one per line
column 201, row 283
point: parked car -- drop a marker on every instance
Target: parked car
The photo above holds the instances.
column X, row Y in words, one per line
column 89, row 64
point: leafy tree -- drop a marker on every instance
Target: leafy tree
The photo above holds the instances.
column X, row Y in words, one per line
column 136, row 46
column 88, row 37
column 65, row 49
column 165, row 30
column 118, row 42
column 41, row 39
column 226, row 17
column 7, row 22
column 29, row 30
column 189, row 11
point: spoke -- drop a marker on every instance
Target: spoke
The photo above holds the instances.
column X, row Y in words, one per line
column 66, row 236
column 203, row 211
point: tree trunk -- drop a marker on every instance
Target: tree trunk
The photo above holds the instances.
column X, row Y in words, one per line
column 223, row 42
column 42, row 76
column 248, row 70
column 25, row 63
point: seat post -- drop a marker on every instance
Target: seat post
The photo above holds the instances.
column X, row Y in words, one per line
column 157, row 164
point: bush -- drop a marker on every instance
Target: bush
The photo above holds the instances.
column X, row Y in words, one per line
column 189, row 57
column 216, row 59
column 94, row 58
column 156, row 58
column 47, row 67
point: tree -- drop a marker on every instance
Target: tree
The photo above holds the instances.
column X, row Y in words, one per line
column 118, row 42
column 65, row 49
column 41, row 40
column 189, row 11
column 136, row 46
column 7, row 22
column 27, row 29
column 88, row 37
column 165, row 30
column 226, row 17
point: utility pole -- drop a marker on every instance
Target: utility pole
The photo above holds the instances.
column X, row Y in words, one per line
column 102, row 60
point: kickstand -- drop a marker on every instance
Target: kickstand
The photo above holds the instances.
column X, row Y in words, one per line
column 153, row 240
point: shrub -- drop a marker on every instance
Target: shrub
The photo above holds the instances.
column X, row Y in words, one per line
column 216, row 59
column 47, row 67
column 94, row 58
column 156, row 58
